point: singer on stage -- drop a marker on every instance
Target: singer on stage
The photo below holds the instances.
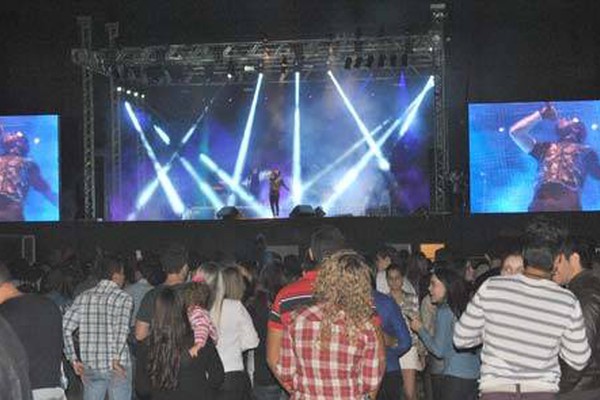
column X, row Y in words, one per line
column 562, row 164
column 275, row 184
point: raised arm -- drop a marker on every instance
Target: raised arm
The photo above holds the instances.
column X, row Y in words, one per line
column 519, row 132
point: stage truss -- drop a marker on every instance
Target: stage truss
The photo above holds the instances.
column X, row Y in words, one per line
column 137, row 68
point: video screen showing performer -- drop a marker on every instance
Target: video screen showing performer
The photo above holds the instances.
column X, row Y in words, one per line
column 536, row 157
column 29, row 163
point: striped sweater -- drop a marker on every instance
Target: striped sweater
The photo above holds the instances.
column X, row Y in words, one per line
column 524, row 325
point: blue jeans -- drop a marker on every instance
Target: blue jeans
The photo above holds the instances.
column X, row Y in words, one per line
column 96, row 384
column 273, row 392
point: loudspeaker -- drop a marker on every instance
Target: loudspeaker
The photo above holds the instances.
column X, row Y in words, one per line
column 228, row 212
column 302, row 210
column 319, row 212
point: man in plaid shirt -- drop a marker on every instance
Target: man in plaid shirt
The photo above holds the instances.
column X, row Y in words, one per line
column 102, row 315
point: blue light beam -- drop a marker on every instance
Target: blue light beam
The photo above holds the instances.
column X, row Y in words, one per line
column 162, row 135
column 296, row 165
column 375, row 149
column 261, row 210
column 204, row 187
column 243, row 151
column 406, row 119
column 166, row 184
column 341, row 158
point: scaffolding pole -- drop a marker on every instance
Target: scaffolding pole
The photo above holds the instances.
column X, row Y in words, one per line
column 114, row 167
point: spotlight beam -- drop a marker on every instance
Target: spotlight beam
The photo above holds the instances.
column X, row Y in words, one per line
column 297, row 188
column 150, row 188
column 406, row 119
column 261, row 210
column 162, row 135
column 243, row 151
column 375, row 149
column 166, row 184
column 341, row 158
column 204, row 187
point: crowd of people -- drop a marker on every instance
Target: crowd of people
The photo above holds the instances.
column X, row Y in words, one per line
column 333, row 324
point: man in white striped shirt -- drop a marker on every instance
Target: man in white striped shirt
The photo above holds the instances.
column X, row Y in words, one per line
column 525, row 322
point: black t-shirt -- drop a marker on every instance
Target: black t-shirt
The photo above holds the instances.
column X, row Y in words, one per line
column 146, row 310
column 14, row 368
column 37, row 322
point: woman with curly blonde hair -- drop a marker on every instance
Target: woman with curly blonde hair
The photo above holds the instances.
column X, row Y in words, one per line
column 333, row 349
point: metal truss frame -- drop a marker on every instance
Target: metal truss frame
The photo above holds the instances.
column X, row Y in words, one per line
column 89, row 154
column 220, row 63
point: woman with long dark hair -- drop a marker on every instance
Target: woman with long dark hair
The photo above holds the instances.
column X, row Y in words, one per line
column 165, row 368
column 451, row 294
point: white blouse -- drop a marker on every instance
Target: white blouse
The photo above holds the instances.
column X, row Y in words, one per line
column 236, row 335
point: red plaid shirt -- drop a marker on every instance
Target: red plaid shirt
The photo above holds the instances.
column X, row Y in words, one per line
column 342, row 370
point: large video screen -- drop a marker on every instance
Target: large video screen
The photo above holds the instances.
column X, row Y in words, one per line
column 351, row 147
column 29, row 168
column 534, row 157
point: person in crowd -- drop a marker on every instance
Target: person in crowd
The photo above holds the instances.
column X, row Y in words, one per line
column 37, row 322
column 145, row 269
column 292, row 268
column 234, row 327
column 397, row 340
column 451, row 293
column 102, row 315
column 270, row 281
column 14, row 368
column 165, row 369
column 383, row 258
column 323, row 242
column 432, row 374
column 512, row 264
column 338, row 328
column 572, row 269
column 197, row 297
column 174, row 263
column 405, row 295
column 525, row 322
column 59, row 285
column 418, row 274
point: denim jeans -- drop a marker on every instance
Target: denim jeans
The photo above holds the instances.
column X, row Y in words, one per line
column 273, row 392
column 96, row 384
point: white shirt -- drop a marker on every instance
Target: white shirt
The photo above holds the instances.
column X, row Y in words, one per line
column 236, row 335
column 381, row 282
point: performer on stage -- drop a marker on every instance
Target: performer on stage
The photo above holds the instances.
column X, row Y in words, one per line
column 17, row 174
column 255, row 183
column 275, row 184
column 562, row 165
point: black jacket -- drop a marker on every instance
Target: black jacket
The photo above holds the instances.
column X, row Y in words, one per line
column 586, row 287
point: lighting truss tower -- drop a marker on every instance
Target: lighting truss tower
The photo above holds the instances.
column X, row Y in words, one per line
column 439, row 198
column 87, row 79
column 112, row 30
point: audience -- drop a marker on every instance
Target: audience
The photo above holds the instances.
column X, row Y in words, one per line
column 525, row 322
column 312, row 327
column 102, row 317
column 37, row 322
column 174, row 263
column 405, row 295
column 450, row 293
column 572, row 269
column 165, row 369
column 332, row 349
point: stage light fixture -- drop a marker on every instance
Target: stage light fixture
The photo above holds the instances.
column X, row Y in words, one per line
column 135, row 94
column 358, row 62
column 383, row 163
column 594, row 127
column 166, row 184
column 243, row 151
column 229, row 213
column 143, row 96
column 128, row 91
column 348, row 63
column 302, row 211
column 119, row 89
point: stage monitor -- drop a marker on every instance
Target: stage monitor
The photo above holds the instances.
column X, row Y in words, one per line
column 534, row 157
column 29, row 168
